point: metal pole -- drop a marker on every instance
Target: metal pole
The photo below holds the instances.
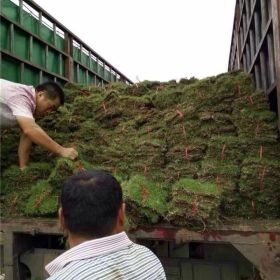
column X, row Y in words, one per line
column 271, row 63
column 264, row 14
column 257, row 28
column 252, row 45
column 263, row 70
column 276, row 33
column 257, row 76
column 68, row 64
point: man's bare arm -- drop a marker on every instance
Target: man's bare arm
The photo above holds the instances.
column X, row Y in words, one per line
column 24, row 150
column 37, row 135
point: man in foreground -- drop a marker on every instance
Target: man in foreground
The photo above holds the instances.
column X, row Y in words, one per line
column 92, row 214
column 18, row 106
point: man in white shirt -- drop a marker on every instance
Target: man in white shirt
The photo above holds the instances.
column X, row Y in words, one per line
column 92, row 215
column 18, row 106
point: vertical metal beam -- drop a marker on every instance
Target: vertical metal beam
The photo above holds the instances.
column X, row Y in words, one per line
column 235, row 41
column 264, row 14
column 241, row 40
column 20, row 12
column 238, row 47
column 12, row 38
column 68, row 64
column 54, row 34
column 275, row 7
column 21, row 74
column 40, row 76
column 252, row 5
column 252, row 45
column 60, row 64
column 30, row 50
column 78, row 73
column 103, row 72
column 98, row 65
column 263, row 70
column 257, row 28
column 271, row 64
column 87, row 77
column 240, row 6
column 235, row 62
column 244, row 61
column 46, row 57
column 40, row 23
column 247, row 13
column 257, row 76
column 248, row 56
column 245, row 28
column 111, row 75
column 89, row 62
column 81, row 51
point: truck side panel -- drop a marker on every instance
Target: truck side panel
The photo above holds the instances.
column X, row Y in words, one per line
column 35, row 47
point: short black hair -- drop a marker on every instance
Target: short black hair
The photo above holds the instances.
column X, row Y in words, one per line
column 90, row 201
column 52, row 90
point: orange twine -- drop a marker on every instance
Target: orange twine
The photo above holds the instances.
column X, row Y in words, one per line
column 104, row 107
column 250, row 99
column 184, row 130
column 262, row 178
column 181, row 115
column 145, row 168
column 257, row 130
column 186, row 153
column 253, row 206
column 238, row 89
column 223, row 152
column 261, row 150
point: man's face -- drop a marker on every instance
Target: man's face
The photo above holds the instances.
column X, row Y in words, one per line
column 45, row 105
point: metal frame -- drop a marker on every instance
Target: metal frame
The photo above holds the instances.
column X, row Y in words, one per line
column 255, row 45
column 70, row 63
column 258, row 241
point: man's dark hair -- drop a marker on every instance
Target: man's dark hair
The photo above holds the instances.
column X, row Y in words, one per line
column 52, row 91
column 90, row 201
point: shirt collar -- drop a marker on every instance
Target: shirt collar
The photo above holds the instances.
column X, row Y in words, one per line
column 89, row 249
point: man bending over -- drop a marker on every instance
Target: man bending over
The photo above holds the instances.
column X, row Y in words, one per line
column 19, row 104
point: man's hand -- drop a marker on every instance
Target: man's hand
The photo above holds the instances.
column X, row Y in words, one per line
column 70, row 153
column 36, row 134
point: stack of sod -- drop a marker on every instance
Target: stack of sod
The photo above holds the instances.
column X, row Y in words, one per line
column 214, row 132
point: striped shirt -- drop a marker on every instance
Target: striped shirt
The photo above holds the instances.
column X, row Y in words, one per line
column 112, row 257
column 15, row 100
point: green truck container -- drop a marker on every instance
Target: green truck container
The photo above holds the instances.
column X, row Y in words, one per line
column 35, row 48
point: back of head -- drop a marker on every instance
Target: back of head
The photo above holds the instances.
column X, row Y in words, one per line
column 90, row 201
column 52, row 91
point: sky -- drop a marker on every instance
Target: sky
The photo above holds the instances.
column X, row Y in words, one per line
column 152, row 39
